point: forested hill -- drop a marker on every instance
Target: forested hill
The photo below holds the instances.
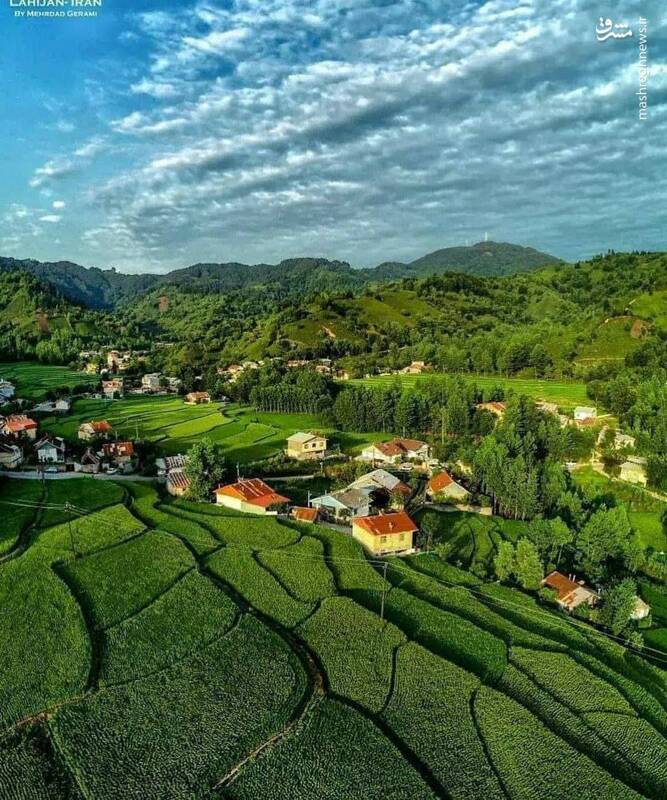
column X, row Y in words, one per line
column 490, row 259
column 97, row 288
column 602, row 310
column 557, row 320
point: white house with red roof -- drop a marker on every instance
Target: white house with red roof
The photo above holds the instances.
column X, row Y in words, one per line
column 250, row 495
column 95, row 429
column 395, row 451
column 121, row 453
column 113, row 388
column 570, row 593
column 20, row 425
column 444, row 486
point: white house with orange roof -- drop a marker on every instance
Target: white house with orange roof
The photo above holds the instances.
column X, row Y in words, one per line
column 250, row 495
column 443, row 485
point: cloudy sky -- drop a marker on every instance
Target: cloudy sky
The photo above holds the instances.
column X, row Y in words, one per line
column 165, row 133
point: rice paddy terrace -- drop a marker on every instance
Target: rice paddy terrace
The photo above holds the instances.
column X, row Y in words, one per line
column 165, row 649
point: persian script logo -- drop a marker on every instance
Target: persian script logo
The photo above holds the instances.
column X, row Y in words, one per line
column 606, row 29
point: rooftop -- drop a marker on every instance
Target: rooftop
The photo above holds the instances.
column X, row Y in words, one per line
column 385, row 524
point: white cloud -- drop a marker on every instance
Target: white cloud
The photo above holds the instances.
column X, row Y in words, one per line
column 159, row 89
column 58, row 204
column 50, row 218
column 52, row 170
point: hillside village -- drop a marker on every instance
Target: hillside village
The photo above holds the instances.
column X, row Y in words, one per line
column 392, row 483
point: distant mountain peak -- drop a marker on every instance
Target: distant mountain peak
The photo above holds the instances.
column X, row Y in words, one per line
column 106, row 288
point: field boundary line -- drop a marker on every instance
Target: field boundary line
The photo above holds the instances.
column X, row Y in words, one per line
column 63, row 754
column 201, row 648
column 629, row 769
column 153, row 600
column 485, row 746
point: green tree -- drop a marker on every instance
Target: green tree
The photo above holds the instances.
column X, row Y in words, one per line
column 528, row 567
column 549, row 537
column 504, row 562
column 618, row 605
column 606, row 535
column 205, row 468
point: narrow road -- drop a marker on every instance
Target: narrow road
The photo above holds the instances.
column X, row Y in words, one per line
column 63, row 476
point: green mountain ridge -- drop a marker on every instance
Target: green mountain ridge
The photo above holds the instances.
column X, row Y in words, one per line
column 576, row 314
column 105, row 289
column 555, row 320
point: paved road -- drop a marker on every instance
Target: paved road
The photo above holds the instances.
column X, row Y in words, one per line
column 63, row 476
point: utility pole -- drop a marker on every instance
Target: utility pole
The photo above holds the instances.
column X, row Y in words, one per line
column 69, row 510
column 384, row 589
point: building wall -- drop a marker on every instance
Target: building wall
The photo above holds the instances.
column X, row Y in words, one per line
column 452, row 491
column 372, row 454
column 380, row 545
column 240, row 505
column 302, row 452
column 10, row 460
column 48, row 455
column 633, row 475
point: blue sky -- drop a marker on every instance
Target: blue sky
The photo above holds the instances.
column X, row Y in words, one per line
column 164, row 133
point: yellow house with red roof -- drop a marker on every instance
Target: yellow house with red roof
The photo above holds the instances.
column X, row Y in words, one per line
column 385, row 534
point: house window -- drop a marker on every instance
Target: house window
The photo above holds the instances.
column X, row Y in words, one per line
column 383, row 540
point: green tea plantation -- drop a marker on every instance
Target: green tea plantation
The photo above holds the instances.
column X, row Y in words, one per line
column 159, row 649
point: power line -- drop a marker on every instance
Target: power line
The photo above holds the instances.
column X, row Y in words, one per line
column 646, row 651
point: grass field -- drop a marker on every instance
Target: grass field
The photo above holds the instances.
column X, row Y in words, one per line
column 473, row 538
column 244, row 434
column 188, row 652
column 566, row 394
column 645, row 512
column 33, row 380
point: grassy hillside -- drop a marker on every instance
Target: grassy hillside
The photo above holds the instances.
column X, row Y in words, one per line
column 595, row 312
column 106, row 289
column 483, row 258
column 33, row 380
column 200, row 653
column 579, row 314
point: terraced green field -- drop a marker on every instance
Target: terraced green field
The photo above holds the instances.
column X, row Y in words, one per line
column 174, row 650
column 33, row 380
column 244, row 434
column 566, row 394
